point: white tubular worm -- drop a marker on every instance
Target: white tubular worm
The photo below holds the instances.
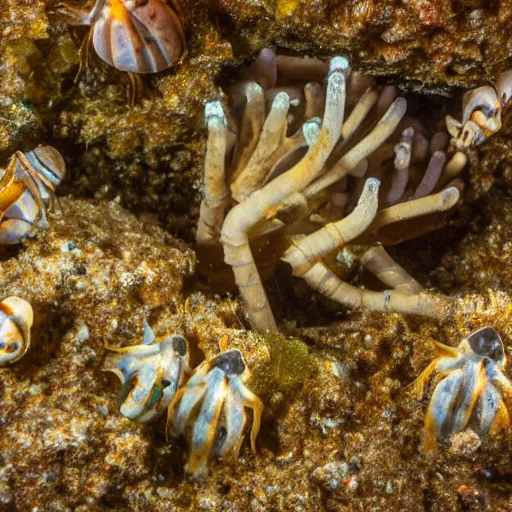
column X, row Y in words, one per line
column 262, row 202
column 216, row 192
column 321, row 279
column 380, row 263
column 312, row 248
column 269, row 149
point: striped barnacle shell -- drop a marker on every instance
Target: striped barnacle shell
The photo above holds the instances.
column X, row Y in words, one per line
column 136, row 36
column 16, row 319
column 504, row 87
column 49, row 164
column 482, row 99
column 27, row 189
column 482, row 110
column 150, row 374
column 469, row 388
column 483, row 107
column 210, row 411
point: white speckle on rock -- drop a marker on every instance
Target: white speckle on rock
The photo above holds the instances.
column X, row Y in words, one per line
column 103, row 410
column 466, row 442
column 34, row 389
column 340, row 370
column 330, row 472
column 352, row 484
column 334, row 483
column 346, row 257
column 70, row 247
column 83, row 334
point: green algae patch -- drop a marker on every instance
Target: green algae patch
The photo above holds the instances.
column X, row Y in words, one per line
column 288, row 366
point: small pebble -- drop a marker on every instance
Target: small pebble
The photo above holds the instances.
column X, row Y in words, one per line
column 83, row 334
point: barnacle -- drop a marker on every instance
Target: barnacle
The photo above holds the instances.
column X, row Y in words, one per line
column 468, row 383
column 150, row 374
column 482, row 113
column 16, row 319
column 209, row 411
column 131, row 35
column 27, row 189
column 296, row 183
column 135, row 36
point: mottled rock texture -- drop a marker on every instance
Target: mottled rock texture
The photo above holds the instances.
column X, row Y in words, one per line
column 340, row 429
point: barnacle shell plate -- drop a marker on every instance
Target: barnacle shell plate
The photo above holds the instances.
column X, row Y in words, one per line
column 16, row 319
column 210, row 410
column 150, row 375
column 138, row 37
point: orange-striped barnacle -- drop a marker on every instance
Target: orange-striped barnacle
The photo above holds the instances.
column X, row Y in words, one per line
column 27, row 189
column 468, row 386
column 482, row 112
column 504, row 88
column 136, row 36
column 210, row 410
column 150, row 374
column 16, row 318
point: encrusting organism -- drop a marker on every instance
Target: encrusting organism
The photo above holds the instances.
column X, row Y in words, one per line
column 16, row 319
column 27, row 191
column 482, row 113
column 468, row 386
column 209, row 411
column 319, row 186
column 150, row 374
column 136, row 36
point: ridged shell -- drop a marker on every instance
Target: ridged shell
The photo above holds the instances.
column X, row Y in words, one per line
column 504, row 87
column 138, row 36
column 49, row 164
column 16, row 319
column 209, row 411
column 150, row 374
column 483, row 99
column 26, row 189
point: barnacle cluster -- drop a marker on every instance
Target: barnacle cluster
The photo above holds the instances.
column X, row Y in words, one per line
column 321, row 183
column 208, row 409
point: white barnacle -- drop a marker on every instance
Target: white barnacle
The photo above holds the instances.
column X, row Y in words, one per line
column 210, row 410
column 150, row 374
column 469, row 382
column 27, row 192
column 137, row 37
column 482, row 113
column 16, row 319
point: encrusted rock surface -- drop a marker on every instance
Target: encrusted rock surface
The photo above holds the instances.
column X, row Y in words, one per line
column 340, row 428
column 91, row 280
